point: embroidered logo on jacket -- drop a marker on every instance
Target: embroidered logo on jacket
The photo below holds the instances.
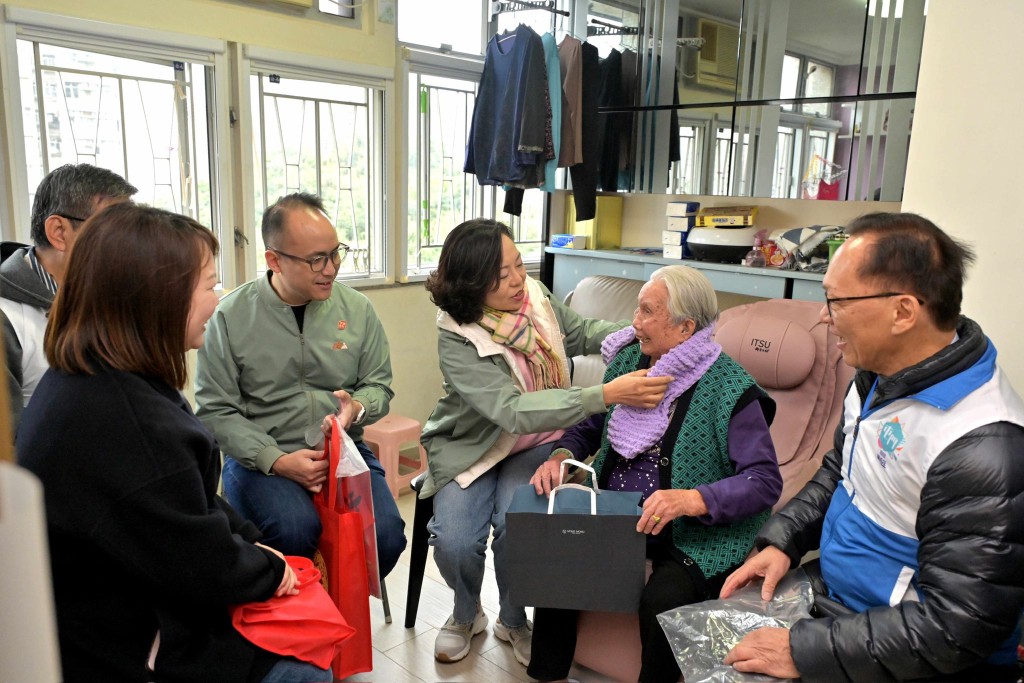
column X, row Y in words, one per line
column 891, row 441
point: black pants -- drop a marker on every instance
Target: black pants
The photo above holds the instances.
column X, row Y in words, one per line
column 671, row 585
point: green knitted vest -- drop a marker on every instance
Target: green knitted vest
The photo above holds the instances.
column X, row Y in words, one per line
column 700, row 456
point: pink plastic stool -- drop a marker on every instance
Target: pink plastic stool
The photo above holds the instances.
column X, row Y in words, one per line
column 386, row 438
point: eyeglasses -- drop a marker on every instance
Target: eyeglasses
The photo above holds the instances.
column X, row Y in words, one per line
column 319, row 262
column 69, row 217
column 883, row 295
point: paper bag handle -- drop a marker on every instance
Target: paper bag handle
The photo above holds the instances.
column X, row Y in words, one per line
column 592, row 492
column 577, row 463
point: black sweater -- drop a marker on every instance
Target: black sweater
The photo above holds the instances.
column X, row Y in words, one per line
column 139, row 539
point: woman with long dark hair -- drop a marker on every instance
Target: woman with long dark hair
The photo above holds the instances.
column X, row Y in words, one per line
column 146, row 557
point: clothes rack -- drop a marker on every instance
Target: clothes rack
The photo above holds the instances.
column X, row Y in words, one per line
column 502, row 6
column 611, row 31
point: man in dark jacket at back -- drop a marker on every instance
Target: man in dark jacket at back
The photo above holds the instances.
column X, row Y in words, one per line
column 919, row 510
column 30, row 275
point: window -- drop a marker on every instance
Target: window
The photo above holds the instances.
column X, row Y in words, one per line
column 451, row 25
column 440, row 97
column 143, row 118
column 440, row 194
column 324, row 138
column 804, row 77
column 686, row 173
column 800, row 140
column 337, row 8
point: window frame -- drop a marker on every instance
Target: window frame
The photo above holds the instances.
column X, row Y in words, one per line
column 431, row 63
column 19, row 23
column 253, row 59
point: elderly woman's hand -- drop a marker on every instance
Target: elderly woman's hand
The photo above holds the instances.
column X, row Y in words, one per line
column 549, row 474
column 664, row 505
column 636, row 389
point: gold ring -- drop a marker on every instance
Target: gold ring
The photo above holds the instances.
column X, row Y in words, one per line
column 656, row 518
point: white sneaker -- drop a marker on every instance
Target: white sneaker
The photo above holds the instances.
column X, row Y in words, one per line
column 453, row 641
column 520, row 638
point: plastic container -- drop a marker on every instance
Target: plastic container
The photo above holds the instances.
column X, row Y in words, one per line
column 755, row 258
column 834, row 243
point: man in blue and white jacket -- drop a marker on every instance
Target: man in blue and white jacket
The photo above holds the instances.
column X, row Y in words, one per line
column 919, row 510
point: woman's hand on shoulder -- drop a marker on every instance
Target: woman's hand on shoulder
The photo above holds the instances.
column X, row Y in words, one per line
column 664, row 505
column 549, row 474
column 636, row 389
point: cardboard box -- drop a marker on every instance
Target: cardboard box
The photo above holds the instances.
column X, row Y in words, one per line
column 604, row 231
column 673, row 251
column 682, row 223
column 682, row 208
column 564, row 241
column 726, row 215
column 673, row 237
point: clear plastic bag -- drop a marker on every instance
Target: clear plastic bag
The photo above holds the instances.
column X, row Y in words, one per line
column 702, row 634
column 351, row 462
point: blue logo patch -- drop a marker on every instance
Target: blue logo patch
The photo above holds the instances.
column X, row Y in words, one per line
column 891, row 441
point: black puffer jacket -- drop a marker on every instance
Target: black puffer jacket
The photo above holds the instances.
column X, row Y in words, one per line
column 971, row 554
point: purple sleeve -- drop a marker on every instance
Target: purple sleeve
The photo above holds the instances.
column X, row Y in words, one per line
column 584, row 439
column 757, row 484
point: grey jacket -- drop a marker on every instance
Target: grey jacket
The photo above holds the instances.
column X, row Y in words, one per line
column 20, row 287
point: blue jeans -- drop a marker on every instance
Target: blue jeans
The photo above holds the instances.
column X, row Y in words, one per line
column 462, row 521
column 283, row 510
column 293, row 671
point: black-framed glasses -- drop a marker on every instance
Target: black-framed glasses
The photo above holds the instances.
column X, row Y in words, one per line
column 319, row 262
column 69, row 217
column 884, row 295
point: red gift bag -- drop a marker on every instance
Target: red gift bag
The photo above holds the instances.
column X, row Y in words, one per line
column 341, row 559
column 307, row 626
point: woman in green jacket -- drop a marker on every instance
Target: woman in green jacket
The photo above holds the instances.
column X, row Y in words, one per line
column 503, row 344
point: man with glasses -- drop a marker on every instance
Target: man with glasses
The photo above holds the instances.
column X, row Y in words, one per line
column 280, row 353
column 30, row 275
column 918, row 512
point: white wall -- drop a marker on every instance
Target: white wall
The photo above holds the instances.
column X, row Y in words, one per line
column 408, row 317
column 966, row 153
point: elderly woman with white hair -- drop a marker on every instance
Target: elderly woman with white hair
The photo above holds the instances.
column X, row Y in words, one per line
column 703, row 460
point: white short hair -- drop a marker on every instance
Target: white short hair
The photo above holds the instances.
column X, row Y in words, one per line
column 691, row 296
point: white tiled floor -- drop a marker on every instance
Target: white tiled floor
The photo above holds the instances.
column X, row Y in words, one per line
column 404, row 655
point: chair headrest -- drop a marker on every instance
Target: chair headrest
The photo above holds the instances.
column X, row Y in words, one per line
column 605, row 297
column 778, row 353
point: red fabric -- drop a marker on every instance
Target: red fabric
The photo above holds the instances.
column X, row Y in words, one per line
column 306, row 626
column 341, row 559
column 828, row 190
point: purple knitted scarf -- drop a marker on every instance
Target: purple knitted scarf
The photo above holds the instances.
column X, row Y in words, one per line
column 632, row 431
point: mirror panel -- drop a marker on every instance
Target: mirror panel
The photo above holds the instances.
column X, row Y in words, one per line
column 743, row 51
column 862, row 155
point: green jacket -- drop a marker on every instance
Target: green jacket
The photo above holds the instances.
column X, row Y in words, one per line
column 260, row 383
column 484, row 401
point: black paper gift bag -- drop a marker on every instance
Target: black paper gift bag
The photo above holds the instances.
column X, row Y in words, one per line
column 584, row 554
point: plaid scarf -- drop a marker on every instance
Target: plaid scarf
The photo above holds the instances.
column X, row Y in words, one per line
column 516, row 330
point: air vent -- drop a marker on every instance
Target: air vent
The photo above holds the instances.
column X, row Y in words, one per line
column 716, row 62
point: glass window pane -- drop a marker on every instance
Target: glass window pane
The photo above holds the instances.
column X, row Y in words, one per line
column 319, row 137
column 818, row 82
column 790, row 79
column 143, row 119
column 458, row 23
column 338, row 8
column 613, row 17
column 441, row 196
